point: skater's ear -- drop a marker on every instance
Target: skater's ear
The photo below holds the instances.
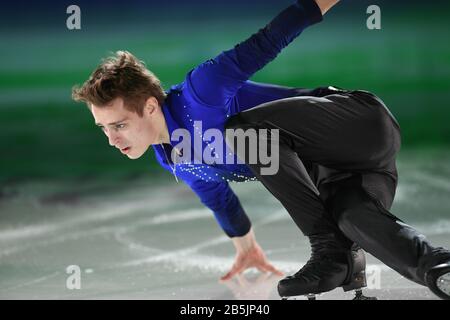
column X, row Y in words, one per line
column 151, row 106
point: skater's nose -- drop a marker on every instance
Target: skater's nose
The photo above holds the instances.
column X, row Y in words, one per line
column 113, row 138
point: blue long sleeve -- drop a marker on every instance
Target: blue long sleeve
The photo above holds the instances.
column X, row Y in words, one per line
column 220, row 198
column 215, row 82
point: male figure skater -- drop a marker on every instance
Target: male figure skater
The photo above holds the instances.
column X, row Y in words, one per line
column 336, row 175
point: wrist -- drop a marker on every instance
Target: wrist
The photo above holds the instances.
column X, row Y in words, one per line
column 245, row 243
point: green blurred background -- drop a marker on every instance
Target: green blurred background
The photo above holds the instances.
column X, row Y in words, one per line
column 44, row 135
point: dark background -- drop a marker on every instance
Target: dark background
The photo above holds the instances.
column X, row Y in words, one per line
column 44, row 135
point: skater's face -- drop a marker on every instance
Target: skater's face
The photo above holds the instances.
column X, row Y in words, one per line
column 126, row 130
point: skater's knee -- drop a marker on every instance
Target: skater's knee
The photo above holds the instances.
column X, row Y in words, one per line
column 381, row 135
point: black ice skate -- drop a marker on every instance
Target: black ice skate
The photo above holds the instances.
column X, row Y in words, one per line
column 435, row 270
column 329, row 267
column 438, row 280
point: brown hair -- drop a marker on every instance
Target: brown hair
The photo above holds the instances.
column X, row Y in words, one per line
column 124, row 76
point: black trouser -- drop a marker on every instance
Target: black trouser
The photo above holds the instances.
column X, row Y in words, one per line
column 337, row 172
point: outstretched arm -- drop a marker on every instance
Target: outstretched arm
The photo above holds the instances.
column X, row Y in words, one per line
column 215, row 82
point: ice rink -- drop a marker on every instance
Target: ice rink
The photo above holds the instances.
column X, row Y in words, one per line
column 150, row 238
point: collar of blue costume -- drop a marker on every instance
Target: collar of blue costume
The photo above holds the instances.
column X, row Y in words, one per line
column 172, row 125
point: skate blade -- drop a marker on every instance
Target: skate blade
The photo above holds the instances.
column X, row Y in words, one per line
column 310, row 296
column 443, row 283
column 360, row 296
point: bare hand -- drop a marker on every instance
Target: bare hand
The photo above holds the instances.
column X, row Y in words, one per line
column 253, row 258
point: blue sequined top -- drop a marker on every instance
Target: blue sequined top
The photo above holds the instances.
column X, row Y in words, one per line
column 217, row 89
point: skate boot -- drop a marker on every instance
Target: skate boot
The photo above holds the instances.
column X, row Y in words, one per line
column 330, row 266
column 437, row 278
